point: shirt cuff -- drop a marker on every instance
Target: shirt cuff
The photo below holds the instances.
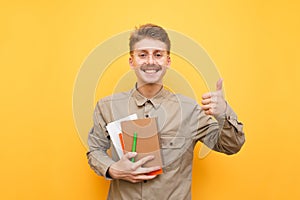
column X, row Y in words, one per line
column 107, row 175
column 100, row 164
column 228, row 119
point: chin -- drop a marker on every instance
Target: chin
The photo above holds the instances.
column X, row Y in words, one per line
column 151, row 82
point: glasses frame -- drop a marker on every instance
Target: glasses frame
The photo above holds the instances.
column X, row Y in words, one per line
column 144, row 54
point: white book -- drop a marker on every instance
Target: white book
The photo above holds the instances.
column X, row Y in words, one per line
column 114, row 129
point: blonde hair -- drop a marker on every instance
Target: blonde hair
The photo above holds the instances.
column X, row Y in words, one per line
column 149, row 31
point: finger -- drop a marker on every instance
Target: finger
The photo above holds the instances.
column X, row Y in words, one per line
column 206, row 107
column 144, row 177
column 206, row 101
column 206, row 95
column 140, row 178
column 219, row 84
column 145, row 170
column 208, row 112
column 142, row 161
column 129, row 155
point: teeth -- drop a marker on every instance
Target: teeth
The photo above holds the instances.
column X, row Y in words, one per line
column 150, row 71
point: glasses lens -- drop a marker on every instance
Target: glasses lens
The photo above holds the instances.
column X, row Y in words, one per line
column 143, row 54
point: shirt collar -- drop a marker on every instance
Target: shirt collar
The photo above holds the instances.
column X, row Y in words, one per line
column 155, row 101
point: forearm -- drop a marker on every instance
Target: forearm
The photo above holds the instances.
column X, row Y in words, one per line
column 230, row 134
column 100, row 162
column 99, row 143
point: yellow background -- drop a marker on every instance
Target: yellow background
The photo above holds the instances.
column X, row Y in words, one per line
column 255, row 45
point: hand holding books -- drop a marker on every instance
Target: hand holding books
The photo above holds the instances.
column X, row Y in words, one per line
column 132, row 172
column 140, row 145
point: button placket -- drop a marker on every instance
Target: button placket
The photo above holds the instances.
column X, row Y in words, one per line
column 148, row 107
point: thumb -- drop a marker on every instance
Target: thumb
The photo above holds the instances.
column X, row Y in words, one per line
column 219, row 84
column 129, row 155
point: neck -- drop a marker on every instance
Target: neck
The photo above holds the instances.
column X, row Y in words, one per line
column 149, row 90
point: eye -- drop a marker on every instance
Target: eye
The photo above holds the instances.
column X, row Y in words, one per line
column 142, row 55
column 158, row 55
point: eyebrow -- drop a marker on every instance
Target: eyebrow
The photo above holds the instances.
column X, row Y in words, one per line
column 146, row 50
column 149, row 48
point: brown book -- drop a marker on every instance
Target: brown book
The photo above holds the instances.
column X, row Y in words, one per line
column 147, row 142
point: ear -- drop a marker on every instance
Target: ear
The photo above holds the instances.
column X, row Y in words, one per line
column 130, row 61
column 168, row 61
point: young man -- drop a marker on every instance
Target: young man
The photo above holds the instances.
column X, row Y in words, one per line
column 181, row 124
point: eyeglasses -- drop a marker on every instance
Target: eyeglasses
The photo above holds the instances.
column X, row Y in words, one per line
column 145, row 55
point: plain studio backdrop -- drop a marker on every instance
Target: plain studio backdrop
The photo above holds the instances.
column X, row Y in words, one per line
column 254, row 44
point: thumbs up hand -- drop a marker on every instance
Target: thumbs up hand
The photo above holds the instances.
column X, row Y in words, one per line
column 214, row 102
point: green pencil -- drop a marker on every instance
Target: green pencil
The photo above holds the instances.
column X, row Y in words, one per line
column 134, row 144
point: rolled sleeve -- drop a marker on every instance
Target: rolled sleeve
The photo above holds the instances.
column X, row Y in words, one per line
column 224, row 135
column 231, row 137
column 99, row 143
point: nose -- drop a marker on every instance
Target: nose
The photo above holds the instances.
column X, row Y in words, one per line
column 150, row 59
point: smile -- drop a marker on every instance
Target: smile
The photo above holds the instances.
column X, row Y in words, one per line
column 150, row 71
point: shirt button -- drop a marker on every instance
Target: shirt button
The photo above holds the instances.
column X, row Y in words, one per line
column 147, row 116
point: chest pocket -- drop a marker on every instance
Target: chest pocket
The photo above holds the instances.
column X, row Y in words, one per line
column 172, row 150
column 172, row 142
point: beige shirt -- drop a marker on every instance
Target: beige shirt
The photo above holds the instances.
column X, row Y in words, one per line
column 181, row 123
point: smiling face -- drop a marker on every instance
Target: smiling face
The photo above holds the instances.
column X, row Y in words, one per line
column 150, row 60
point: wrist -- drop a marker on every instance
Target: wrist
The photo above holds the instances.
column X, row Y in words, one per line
column 225, row 107
column 107, row 174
